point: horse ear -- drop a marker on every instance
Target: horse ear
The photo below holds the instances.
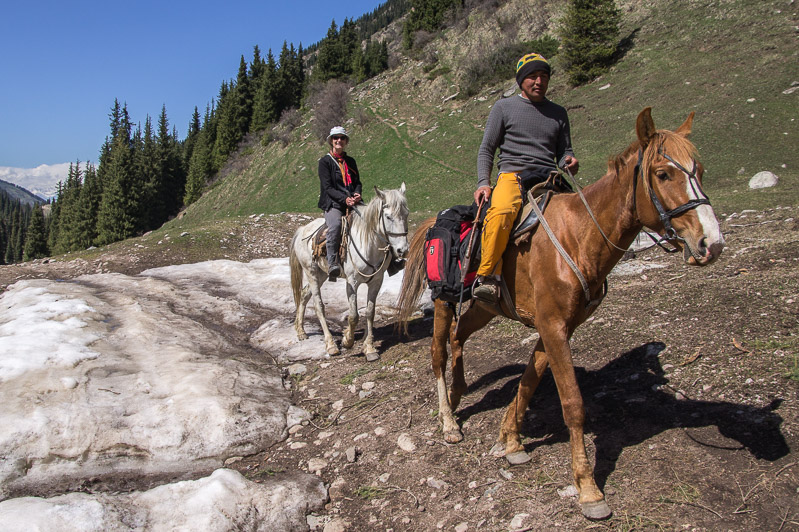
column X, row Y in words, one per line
column 402, row 187
column 645, row 127
column 685, row 128
column 380, row 193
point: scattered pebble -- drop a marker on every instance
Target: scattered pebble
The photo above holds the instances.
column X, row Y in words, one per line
column 405, row 442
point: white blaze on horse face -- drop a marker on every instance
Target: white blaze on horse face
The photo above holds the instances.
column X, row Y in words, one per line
column 705, row 213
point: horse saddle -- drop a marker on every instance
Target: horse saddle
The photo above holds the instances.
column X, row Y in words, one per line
column 319, row 240
column 527, row 219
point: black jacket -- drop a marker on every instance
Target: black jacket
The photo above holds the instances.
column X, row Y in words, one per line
column 332, row 191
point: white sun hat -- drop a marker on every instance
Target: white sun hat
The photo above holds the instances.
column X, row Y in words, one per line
column 338, row 130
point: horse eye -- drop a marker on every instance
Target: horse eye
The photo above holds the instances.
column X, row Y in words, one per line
column 662, row 175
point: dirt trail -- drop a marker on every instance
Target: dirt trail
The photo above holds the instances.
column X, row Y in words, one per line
column 691, row 419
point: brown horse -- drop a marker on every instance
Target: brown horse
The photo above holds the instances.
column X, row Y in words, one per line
column 655, row 182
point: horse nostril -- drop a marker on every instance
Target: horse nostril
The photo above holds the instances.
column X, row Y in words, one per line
column 702, row 245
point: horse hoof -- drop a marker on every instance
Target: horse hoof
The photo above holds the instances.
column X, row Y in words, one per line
column 518, row 458
column 372, row 356
column 453, row 436
column 333, row 351
column 596, row 511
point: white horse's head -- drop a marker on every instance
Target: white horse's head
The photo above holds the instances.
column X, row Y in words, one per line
column 394, row 219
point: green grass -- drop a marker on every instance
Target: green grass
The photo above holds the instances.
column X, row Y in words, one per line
column 368, row 493
column 348, row 379
column 793, row 372
column 679, row 62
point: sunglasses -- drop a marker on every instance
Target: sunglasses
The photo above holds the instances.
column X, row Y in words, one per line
column 338, row 138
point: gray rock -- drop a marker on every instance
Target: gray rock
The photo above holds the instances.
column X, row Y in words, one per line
column 351, row 454
column 297, row 369
column 518, row 458
column 763, row 180
column 338, row 489
column 315, row 465
column 405, row 442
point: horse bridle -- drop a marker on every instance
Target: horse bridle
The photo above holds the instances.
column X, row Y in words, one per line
column 667, row 216
column 386, row 240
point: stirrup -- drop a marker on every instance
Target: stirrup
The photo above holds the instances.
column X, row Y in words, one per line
column 488, row 291
column 333, row 272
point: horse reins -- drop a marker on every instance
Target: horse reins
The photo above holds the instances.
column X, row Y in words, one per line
column 384, row 249
column 665, row 216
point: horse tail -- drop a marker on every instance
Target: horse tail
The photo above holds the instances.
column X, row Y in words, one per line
column 296, row 269
column 413, row 282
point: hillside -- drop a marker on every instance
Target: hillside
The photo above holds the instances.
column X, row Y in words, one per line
column 734, row 62
column 16, row 192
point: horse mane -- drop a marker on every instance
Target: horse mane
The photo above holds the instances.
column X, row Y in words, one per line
column 370, row 215
column 677, row 146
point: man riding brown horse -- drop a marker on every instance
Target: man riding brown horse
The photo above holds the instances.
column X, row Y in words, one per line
column 533, row 138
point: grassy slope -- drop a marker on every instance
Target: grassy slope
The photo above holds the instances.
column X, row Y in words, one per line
column 711, row 57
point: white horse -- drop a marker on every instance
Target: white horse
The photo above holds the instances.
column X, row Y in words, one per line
column 378, row 233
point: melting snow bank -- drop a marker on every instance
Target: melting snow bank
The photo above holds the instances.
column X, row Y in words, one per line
column 223, row 501
column 119, row 380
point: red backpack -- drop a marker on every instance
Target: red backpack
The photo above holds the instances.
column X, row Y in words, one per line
column 445, row 248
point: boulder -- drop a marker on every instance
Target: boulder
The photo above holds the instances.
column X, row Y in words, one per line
column 763, row 180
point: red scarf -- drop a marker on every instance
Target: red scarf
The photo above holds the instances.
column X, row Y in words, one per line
column 342, row 164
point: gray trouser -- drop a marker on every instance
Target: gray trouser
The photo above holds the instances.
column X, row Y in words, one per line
column 333, row 221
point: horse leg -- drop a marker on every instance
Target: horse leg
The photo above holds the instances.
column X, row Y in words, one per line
column 352, row 317
column 471, row 321
column 319, row 306
column 299, row 322
column 368, row 343
column 514, row 415
column 443, row 328
column 556, row 339
column 442, row 319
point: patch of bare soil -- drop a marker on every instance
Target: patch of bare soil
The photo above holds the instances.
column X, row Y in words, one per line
column 691, row 416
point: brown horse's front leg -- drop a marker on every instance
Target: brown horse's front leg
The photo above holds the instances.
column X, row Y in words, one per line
column 514, row 415
column 592, row 500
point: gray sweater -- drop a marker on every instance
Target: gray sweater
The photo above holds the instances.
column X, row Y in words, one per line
column 527, row 134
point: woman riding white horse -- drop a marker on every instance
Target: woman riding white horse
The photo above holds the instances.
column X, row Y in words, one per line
column 377, row 237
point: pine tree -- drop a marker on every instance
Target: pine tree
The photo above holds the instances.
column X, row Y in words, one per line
column 589, row 32
column 200, row 166
column 145, row 155
column 234, row 113
column 119, row 215
column 3, row 239
column 191, row 137
column 265, row 101
column 349, row 43
column 328, row 59
column 54, row 225
column 257, row 67
column 36, row 239
column 68, row 211
column 427, row 15
column 88, row 205
column 172, row 181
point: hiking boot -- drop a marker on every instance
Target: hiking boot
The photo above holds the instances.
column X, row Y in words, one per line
column 333, row 271
column 487, row 291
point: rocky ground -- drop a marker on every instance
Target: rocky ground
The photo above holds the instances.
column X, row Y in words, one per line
column 689, row 377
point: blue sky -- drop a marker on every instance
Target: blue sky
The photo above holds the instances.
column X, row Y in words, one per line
column 63, row 63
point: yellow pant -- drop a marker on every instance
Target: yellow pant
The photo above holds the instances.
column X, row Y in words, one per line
column 506, row 200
